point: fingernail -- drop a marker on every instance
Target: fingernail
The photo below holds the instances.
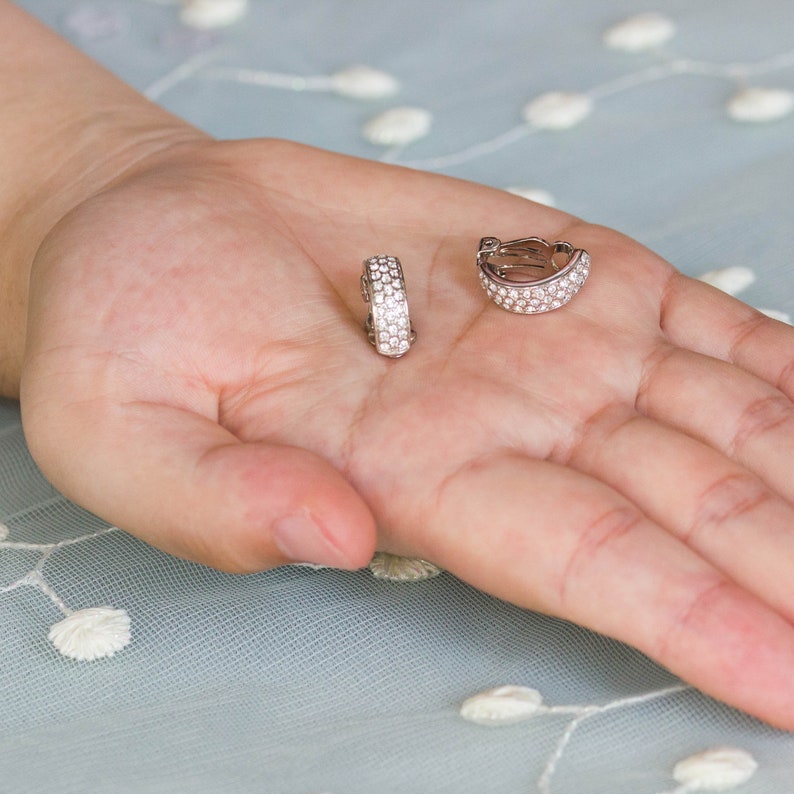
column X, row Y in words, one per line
column 302, row 540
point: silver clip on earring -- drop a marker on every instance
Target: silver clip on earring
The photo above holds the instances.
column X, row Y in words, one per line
column 530, row 275
column 388, row 324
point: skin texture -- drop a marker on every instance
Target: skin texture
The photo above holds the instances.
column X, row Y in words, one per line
column 194, row 369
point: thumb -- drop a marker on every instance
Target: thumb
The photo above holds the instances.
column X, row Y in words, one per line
column 185, row 484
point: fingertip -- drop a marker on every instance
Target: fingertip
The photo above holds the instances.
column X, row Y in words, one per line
column 290, row 506
column 300, row 537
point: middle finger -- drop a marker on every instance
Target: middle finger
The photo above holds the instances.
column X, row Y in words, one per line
column 717, row 507
column 742, row 416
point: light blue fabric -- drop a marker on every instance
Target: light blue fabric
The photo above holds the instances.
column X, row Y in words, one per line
column 298, row 681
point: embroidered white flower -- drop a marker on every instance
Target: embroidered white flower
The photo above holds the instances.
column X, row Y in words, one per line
column 557, row 110
column 209, row 14
column 640, row 32
column 91, row 22
column 311, row 565
column 503, row 705
column 717, row 769
column 536, row 194
column 3, row 531
column 398, row 126
column 760, row 104
column 91, row 633
column 363, row 82
column 729, row 279
column 776, row 314
column 401, row 569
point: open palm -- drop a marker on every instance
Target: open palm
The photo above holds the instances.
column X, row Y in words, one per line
column 197, row 373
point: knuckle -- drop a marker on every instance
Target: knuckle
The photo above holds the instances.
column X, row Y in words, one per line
column 745, row 333
column 785, row 381
column 599, row 535
column 725, row 500
column 685, row 621
column 761, row 417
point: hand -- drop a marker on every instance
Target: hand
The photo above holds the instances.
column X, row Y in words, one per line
column 197, row 373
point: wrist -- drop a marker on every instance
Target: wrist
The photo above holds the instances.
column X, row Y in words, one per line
column 71, row 129
column 65, row 181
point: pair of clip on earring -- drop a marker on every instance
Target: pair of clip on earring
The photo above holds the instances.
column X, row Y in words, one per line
column 526, row 276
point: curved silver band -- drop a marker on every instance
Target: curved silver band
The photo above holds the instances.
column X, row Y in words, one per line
column 388, row 324
column 530, row 275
